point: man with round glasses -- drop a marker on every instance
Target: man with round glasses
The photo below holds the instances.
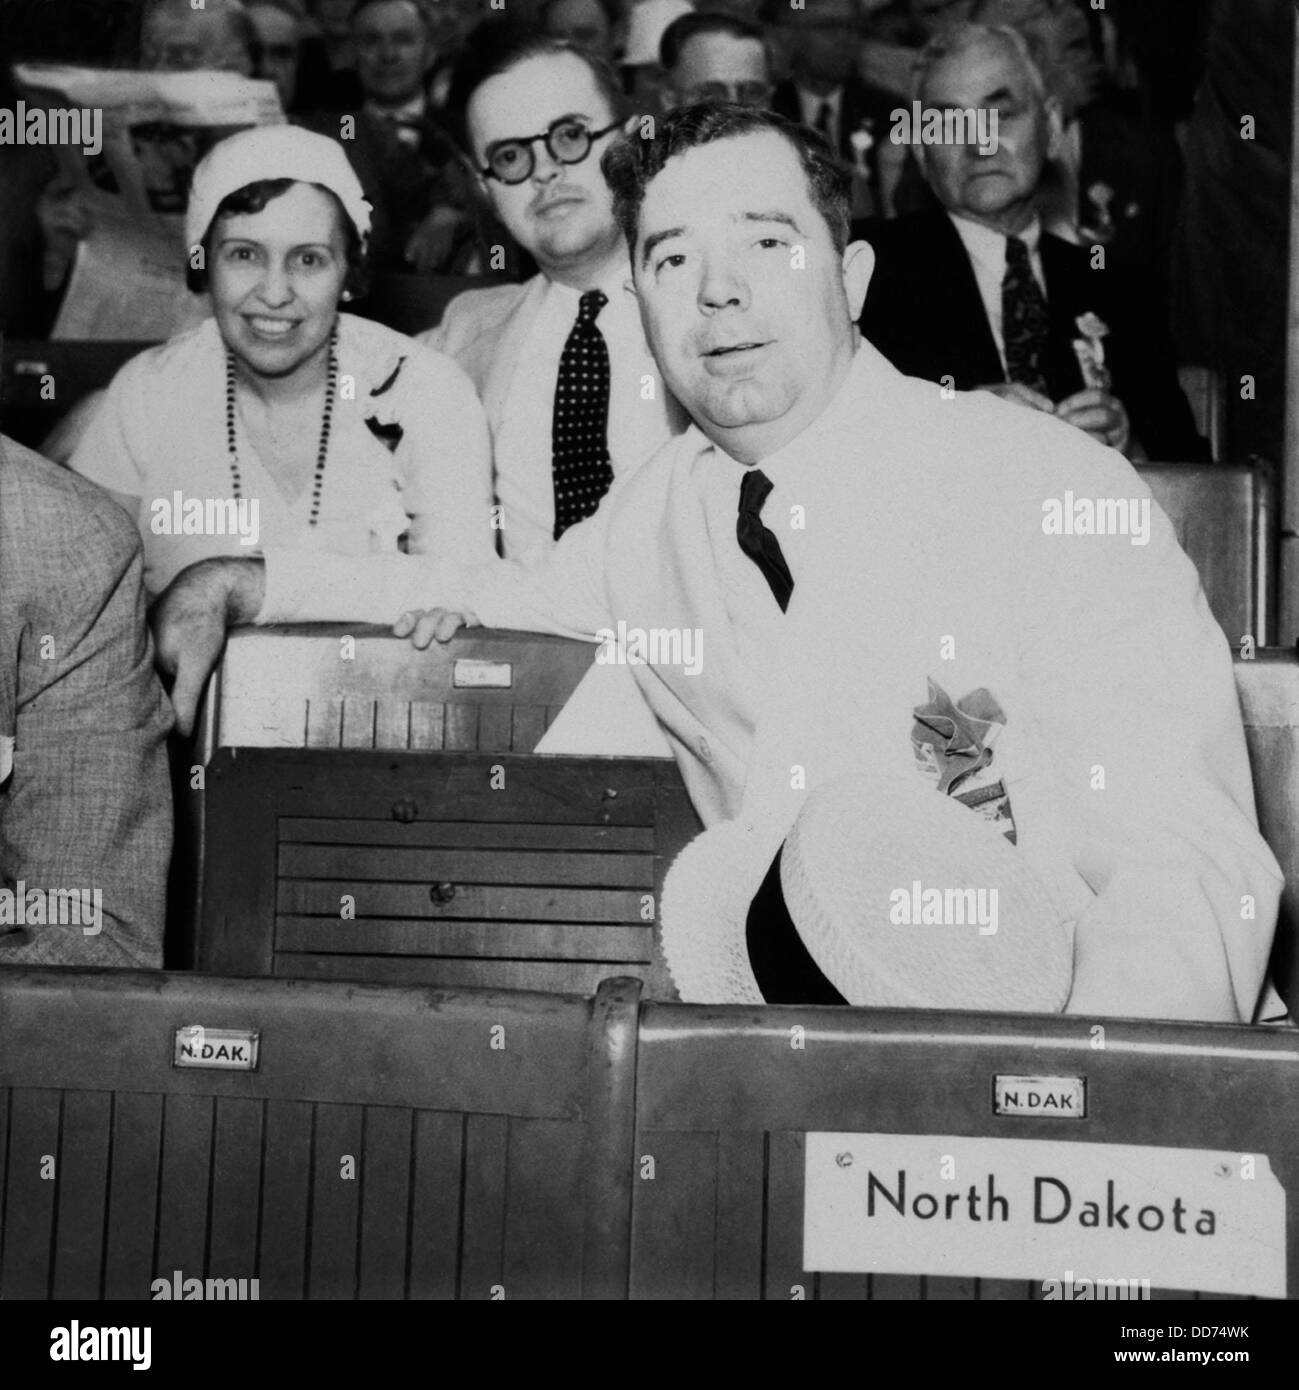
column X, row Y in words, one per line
column 709, row 56
column 571, row 392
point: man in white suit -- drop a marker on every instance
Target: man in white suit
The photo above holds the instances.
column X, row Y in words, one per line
column 932, row 556
column 537, row 124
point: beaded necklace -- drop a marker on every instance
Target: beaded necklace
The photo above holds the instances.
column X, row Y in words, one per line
column 331, row 389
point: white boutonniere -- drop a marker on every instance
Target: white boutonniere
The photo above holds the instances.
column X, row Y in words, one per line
column 1098, row 223
column 862, row 141
column 1090, row 351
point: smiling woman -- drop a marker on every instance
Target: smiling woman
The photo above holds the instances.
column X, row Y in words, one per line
column 281, row 421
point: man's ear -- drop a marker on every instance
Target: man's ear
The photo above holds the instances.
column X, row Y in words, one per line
column 858, row 267
column 1055, row 128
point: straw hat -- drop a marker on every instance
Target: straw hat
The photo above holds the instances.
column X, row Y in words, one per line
column 856, row 869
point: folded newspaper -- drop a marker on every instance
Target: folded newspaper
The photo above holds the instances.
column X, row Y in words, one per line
column 128, row 280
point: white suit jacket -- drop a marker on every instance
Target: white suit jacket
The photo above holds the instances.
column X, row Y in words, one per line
column 926, row 558
column 484, row 331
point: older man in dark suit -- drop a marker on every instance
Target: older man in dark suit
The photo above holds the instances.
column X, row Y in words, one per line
column 977, row 294
column 85, row 801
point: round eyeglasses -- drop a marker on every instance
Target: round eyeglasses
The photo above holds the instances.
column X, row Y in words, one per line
column 568, row 141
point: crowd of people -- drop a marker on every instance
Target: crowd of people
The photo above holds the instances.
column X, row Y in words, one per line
column 757, row 368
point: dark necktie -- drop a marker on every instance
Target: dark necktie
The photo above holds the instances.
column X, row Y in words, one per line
column 579, row 427
column 757, row 542
column 1023, row 318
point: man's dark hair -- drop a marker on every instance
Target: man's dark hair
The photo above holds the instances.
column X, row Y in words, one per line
column 689, row 26
column 424, row 17
column 252, row 198
column 521, row 51
column 630, row 166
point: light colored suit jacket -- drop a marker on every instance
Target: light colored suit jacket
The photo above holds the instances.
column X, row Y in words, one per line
column 926, row 559
column 484, row 331
column 85, row 799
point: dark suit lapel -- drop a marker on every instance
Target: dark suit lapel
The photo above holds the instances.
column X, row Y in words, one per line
column 958, row 302
column 1067, row 296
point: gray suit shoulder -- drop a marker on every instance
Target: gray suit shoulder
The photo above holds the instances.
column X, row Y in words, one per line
column 42, row 503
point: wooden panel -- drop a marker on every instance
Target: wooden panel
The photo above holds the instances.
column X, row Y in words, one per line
column 465, row 866
column 897, row 1287
column 28, row 1215
column 461, row 731
column 286, row 1185
column 335, row 1201
column 477, row 940
column 358, row 723
column 236, row 1189
column 129, row 1268
column 391, row 724
column 470, row 834
column 324, row 723
column 841, row 1288
column 544, row 1209
column 83, row 1193
column 185, row 1183
column 1005, row 1290
column 741, row 1157
column 784, row 1219
column 673, row 1216
column 495, row 723
column 385, row 1199
column 427, row 721
column 548, row 977
column 483, row 1215
column 437, row 1190
column 952, row 1290
column 4, row 1166
column 529, row 723
column 321, row 899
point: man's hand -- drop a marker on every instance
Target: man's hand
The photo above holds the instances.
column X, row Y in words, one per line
column 1021, row 395
column 425, row 624
column 190, row 621
column 64, row 213
column 1100, row 415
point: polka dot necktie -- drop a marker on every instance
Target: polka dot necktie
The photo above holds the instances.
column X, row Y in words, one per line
column 757, row 541
column 1023, row 318
column 579, row 430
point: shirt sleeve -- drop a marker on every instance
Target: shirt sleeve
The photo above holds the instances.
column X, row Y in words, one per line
column 563, row 593
column 113, row 450
column 1134, row 681
column 447, row 459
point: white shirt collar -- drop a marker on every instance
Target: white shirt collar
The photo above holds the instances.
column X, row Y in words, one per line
column 988, row 247
column 416, row 109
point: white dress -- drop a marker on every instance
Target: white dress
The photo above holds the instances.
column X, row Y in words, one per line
column 408, row 437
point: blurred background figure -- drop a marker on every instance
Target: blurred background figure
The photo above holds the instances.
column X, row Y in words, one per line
column 642, row 77
column 1116, row 178
column 407, row 161
column 1231, row 245
column 175, row 37
column 822, row 45
column 280, row 29
column 714, row 56
column 331, row 24
column 590, row 24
